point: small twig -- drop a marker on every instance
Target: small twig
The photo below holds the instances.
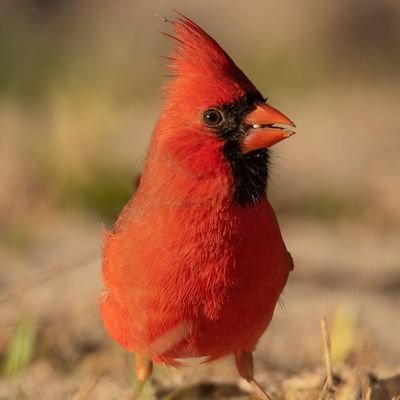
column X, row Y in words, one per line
column 324, row 391
column 326, row 341
column 368, row 396
column 327, row 352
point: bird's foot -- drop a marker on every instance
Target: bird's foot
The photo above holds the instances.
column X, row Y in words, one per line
column 143, row 370
column 245, row 367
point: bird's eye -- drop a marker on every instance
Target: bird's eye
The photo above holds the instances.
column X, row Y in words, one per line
column 212, row 117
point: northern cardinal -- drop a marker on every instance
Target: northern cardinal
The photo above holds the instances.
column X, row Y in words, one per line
column 195, row 263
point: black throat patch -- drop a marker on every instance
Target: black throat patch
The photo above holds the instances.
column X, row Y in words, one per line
column 250, row 170
column 250, row 173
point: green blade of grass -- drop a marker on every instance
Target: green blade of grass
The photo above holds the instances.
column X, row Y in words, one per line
column 21, row 347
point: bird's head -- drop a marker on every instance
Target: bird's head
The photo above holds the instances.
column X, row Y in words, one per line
column 213, row 116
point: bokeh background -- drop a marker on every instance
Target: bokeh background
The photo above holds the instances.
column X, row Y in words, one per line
column 79, row 94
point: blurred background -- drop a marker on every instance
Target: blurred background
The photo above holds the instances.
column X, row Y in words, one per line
column 79, row 94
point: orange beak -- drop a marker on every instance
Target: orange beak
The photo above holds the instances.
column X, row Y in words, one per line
column 265, row 128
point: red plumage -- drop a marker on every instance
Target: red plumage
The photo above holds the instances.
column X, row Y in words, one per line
column 188, row 270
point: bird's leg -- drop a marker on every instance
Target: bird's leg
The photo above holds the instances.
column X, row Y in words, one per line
column 143, row 370
column 245, row 366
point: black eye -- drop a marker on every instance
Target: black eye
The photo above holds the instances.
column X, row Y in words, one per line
column 212, row 117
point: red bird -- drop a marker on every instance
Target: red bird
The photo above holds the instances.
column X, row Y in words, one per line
column 195, row 263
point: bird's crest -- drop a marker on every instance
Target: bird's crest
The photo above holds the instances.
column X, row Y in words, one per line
column 198, row 61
